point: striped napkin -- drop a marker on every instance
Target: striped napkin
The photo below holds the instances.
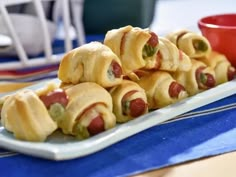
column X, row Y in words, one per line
column 11, row 80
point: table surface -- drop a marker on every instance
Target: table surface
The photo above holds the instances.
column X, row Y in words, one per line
column 217, row 166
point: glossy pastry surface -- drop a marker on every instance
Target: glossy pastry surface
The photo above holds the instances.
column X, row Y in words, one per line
column 136, row 47
column 25, row 115
column 191, row 43
column 92, row 62
column 161, row 89
column 199, row 78
column 224, row 71
column 89, row 108
column 129, row 101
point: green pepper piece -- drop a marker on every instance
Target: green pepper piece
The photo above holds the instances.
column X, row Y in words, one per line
column 81, row 132
column 200, row 45
column 110, row 73
column 148, row 51
column 203, row 78
column 125, row 107
column 57, row 111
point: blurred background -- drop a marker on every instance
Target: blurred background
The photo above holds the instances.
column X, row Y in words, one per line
column 175, row 14
column 72, row 23
column 160, row 15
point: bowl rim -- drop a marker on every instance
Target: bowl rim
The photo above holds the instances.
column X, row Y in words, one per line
column 211, row 25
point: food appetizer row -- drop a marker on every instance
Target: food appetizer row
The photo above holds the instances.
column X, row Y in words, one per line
column 81, row 110
column 133, row 72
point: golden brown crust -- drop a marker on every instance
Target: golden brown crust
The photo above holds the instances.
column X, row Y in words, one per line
column 128, row 43
column 118, row 92
column 220, row 64
column 174, row 36
column 172, row 59
column 49, row 87
column 113, row 39
column 185, row 40
column 81, row 97
column 65, row 66
column 156, row 86
column 25, row 115
column 89, row 63
column 188, row 79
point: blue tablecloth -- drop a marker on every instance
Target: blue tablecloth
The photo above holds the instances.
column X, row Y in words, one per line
column 207, row 131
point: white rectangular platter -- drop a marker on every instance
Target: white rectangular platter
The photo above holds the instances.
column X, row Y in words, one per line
column 62, row 147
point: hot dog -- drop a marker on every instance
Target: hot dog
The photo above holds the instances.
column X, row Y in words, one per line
column 92, row 62
column 161, row 89
column 55, row 100
column 171, row 58
column 25, row 115
column 81, row 110
column 136, row 47
column 191, row 43
column 198, row 79
column 204, row 80
column 224, row 71
column 129, row 101
column 89, row 110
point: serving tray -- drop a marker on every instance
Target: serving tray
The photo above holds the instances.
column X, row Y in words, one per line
column 63, row 147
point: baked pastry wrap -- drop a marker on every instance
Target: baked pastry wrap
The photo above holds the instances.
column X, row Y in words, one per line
column 92, row 62
column 25, row 115
column 198, row 79
column 89, row 110
column 161, row 89
column 135, row 47
column 171, row 58
column 129, row 101
column 224, row 71
column 191, row 43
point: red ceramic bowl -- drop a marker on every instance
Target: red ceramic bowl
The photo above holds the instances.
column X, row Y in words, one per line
column 220, row 30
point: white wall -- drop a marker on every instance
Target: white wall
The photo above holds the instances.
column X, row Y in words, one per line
column 175, row 14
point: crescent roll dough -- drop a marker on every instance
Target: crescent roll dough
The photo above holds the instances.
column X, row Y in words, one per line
column 129, row 101
column 193, row 44
column 92, row 62
column 171, row 57
column 159, row 90
column 128, row 44
column 25, row 115
column 87, row 102
column 190, row 80
column 224, row 71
